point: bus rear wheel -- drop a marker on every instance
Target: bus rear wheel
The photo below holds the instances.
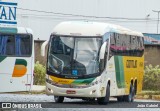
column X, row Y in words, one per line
column 104, row 100
column 130, row 97
column 58, row 99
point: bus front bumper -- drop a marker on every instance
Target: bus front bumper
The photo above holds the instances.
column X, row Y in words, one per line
column 92, row 91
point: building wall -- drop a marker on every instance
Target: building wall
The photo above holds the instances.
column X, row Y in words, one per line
column 152, row 54
column 38, row 57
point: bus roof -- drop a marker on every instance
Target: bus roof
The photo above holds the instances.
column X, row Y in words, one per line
column 20, row 30
column 24, row 30
column 85, row 28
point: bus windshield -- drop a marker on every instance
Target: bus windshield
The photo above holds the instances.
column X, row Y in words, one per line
column 75, row 56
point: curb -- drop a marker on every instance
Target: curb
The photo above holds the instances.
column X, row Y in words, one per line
column 38, row 88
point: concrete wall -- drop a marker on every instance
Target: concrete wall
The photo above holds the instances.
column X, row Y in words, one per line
column 38, row 57
column 152, row 54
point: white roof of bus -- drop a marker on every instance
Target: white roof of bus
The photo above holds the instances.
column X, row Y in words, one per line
column 85, row 28
column 24, row 30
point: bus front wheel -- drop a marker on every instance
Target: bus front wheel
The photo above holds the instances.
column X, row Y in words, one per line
column 58, row 99
column 104, row 100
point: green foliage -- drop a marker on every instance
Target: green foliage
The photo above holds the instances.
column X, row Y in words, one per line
column 151, row 79
column 39, row 74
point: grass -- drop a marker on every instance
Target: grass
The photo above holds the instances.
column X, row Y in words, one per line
column 149, row 95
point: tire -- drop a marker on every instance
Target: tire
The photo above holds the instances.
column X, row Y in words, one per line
column 120, row 98
column 89, row 99
column 104, row 100
column 58, row 99
column 130, row 97
column 135, row 88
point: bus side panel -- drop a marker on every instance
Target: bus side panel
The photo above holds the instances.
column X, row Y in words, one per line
column 10, row 84
column 13, row 73
column 119, row 67
column 116, row 74
column 30, row 78
column 29, row 83
column 7, row 70
column 111, row 74
column 125, row 69
column 31, row 71
column 133, row 70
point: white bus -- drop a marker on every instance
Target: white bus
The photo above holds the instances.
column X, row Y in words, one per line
column 16, row 59
column 91, row 60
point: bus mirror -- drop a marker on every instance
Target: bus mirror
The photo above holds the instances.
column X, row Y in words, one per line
column 43, row 47
column 102, row 51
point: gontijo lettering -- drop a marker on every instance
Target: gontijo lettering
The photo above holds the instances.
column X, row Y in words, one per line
column 8, row 13
column 131, row 63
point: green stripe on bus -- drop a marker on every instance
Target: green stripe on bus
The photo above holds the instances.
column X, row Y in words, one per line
column 21, row 62
column 119, row 71
column 8, row 30
column 83, row 81
column 2, row 58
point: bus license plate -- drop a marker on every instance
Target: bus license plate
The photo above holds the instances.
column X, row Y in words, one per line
column 71, row 92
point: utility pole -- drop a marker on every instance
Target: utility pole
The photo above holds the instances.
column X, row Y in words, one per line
column 158, row 19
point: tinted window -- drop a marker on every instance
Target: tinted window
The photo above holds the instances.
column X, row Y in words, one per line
column 15, row 45
column 25, row 45
column 10, row 46
column 126, row 45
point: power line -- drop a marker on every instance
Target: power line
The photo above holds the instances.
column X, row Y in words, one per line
column 82, row 19
column 61, row 17
column 85, row 16
column 157, row 19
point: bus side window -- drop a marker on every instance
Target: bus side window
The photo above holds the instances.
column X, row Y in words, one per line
column 3, row 43
column 126, row 45
column 106, row 51
column 25, row 46
column 10, row 47
column 140, row 48
column 112, row 45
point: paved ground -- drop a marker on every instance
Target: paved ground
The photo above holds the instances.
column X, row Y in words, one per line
column 75, row 104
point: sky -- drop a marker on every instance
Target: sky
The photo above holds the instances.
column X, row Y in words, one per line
column 43, row 15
